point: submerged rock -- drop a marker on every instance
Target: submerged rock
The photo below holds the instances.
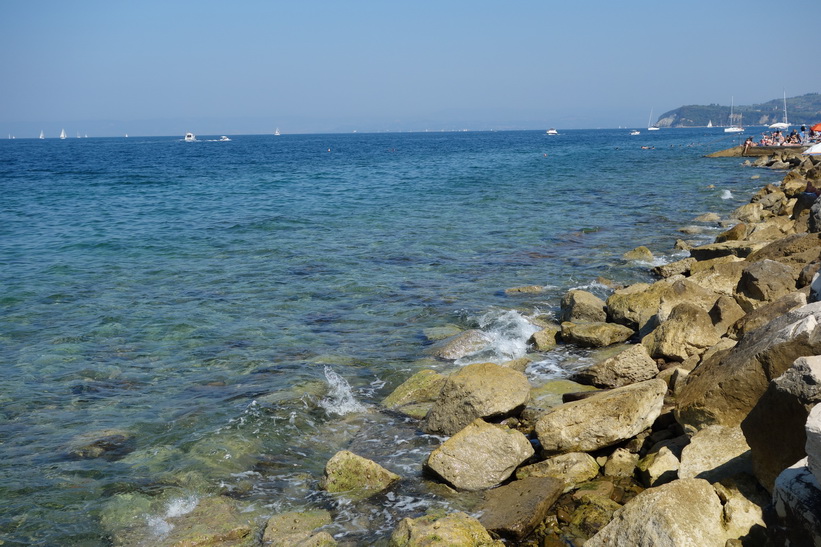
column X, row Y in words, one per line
column 456, row 347
column 298, row 528
column 416, row 395
column 356, row 477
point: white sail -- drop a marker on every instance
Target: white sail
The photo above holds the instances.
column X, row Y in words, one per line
column 42, row 136
column 63, row 134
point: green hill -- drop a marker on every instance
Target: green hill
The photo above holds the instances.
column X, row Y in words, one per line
column 802, row 109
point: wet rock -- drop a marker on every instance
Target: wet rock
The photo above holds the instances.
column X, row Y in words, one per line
column 456, row 347
column 593, row 514
column 579, row 306
column 601, row 420
column 298, row 528
column 679, row 267
column 479, row 456
column 779, row 418
column 631, row 365
column 514, row 510
column 528, row 289
column 595, row 335
column 640, row 253
column 355, row 477
column 435, row 334
column 481, row 390
column 453, row 530
column 572, row 469
column 416, row 395
column 546, row 339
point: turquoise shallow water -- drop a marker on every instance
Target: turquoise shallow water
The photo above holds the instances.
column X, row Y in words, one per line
column 238, row 309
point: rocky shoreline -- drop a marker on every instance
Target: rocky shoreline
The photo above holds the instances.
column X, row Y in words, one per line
column 697, row 426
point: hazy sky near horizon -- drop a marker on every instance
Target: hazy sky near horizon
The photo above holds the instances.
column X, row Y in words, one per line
column 248, row 66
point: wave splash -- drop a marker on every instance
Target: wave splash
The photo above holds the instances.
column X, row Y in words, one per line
column 340, row 399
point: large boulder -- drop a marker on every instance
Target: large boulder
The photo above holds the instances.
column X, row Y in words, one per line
column 794, row 249
column 685, row 291
column 722, row 277
column 416, row 395
column 813, row 445
column 601, row 420
column 579, row 306
column 629, row 366
column 452, row 530
column 741, row 249
column 764, row 314
column 688, row 332
column 779, row 419
column 480, row 456
column 796, row 498
column 355, row 477
column 764, row 281
column 516, row 509
column 636, row 306
column 595, row 335
column 572, row 469
column 724, row 390
column 715, row 453
column 683, row 512
column 481, row 390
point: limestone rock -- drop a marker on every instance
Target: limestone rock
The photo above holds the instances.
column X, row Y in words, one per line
column 601, row 420
column 579, row 306
column 635, row 306
column 779, row 419
column 593, row 514
column 355, row 476
column 687, row 332
column 740, row 249
column 104, row 443
column 453, row 530
column 416, row 395
column 766, row 313
column 549, row 395
column 749, row 213
column 631, row 365
column 679, row 267
column 796, row 498
column 725, row 389
column 572, row 469
column 725, row 314
column 683, row 512
column 685, row 291
column 764, row 281
column 595, row 335
column 435, row 334
column 722, row 277
column 545, row 339
column 658, row 467
column 479, row 456
column 799, row 248
column 527, row 289
column 298, row 528
column 516, row 509
column 640, row 253
column 621, row 463
column 714, row 453
column 464, row 343
column 214, row 522
column 737, row 232
column 481, row 390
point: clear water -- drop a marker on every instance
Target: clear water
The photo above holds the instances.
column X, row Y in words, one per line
column 240, row 308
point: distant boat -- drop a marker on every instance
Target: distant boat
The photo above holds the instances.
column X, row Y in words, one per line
column 277, row 132
column 189, row 137
column 41, row 134
column 650, row 126
column 552, row 131
column 635, row 132
column 710, row 123
column 733, row 128
column 224, row 138
column 785, row 124
column 63, row 134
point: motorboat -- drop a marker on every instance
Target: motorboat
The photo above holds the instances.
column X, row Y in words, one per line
column 552, row 131
column 189, row 137
column 224, row 138
column 635, row 132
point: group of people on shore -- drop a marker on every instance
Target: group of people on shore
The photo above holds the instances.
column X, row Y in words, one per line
column 778, row 138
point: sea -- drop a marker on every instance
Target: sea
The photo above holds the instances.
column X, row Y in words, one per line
column 181, row 320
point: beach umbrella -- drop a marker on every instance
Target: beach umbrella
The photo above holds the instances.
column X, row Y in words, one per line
column 814, row 150
column 779, row 125
column 816, row 127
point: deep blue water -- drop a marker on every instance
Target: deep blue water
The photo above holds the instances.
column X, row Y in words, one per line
column 221, row 301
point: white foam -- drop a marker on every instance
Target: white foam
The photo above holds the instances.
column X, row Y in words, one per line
column 175, row 508
column 340, row 399
column 726, row 194
column 507, row 332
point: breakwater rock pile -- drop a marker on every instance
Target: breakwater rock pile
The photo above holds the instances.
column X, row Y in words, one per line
column 698, row 425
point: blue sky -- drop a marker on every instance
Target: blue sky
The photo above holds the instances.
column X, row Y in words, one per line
column 231, row 67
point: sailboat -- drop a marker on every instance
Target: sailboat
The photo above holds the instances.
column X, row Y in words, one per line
column 785, row 124
column 651, row 127
column 277, row 132
column 63, row 134
column 41, row 134
column 733, row 128
column 709, row 123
